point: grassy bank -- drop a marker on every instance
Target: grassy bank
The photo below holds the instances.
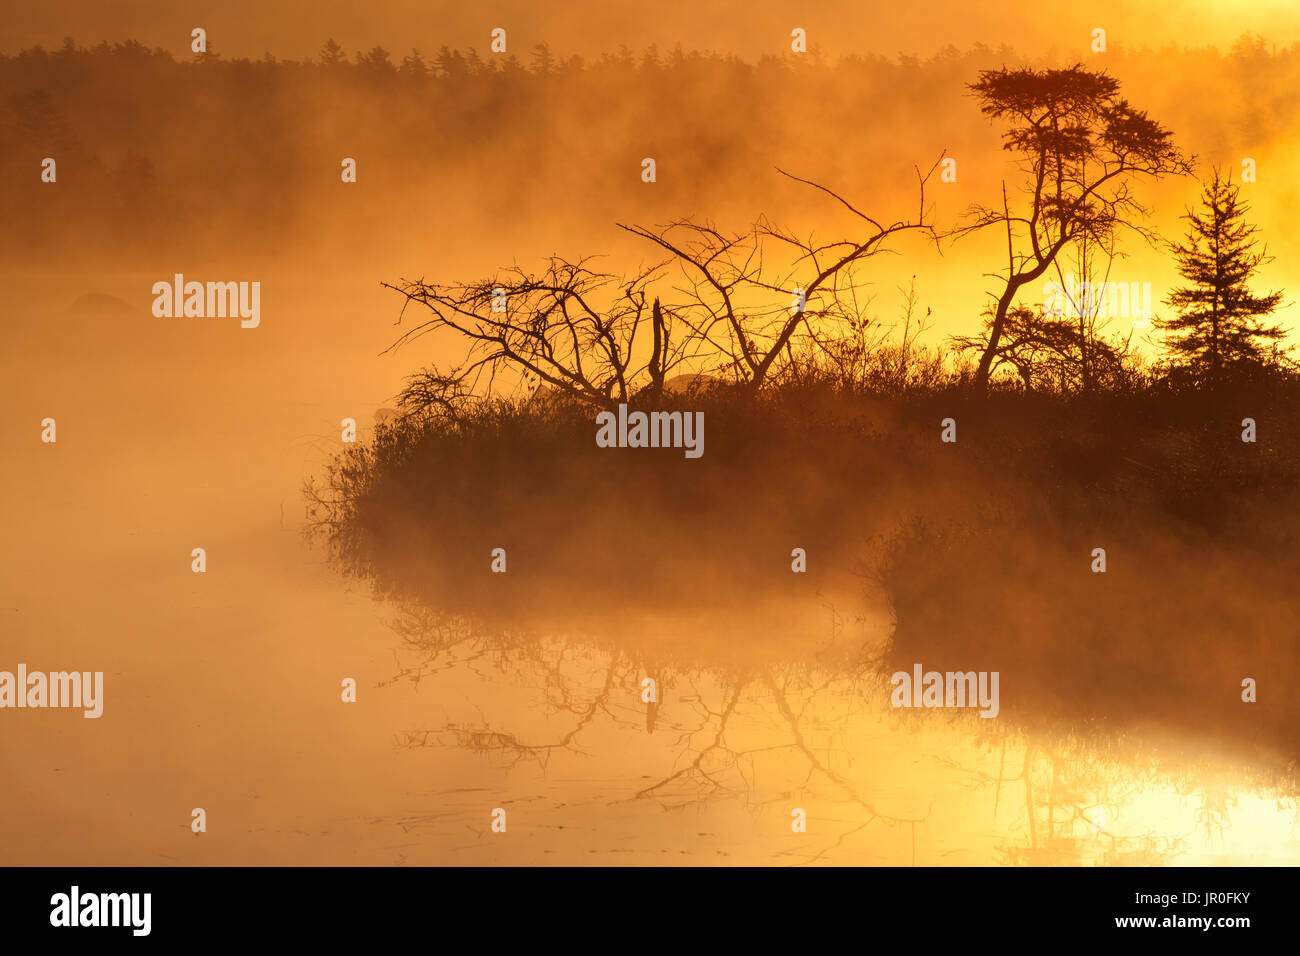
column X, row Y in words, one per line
column 983, row 548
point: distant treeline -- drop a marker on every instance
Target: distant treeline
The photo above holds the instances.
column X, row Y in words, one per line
column 147, row 144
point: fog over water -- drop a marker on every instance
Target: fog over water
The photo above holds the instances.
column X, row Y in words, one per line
column 222, row 689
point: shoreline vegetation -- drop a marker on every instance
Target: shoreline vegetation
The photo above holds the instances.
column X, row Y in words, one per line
column 1114, row 534
column 981, row 549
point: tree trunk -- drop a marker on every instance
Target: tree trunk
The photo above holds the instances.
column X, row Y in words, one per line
column 995, row 335
column 660, row 346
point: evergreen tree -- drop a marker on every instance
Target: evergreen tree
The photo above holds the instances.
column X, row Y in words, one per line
column 474, row 64
column 1218, row 326
column 376, row 62
column 543, row 62
column 331, row 54
column 450, row 64
column 414, row 67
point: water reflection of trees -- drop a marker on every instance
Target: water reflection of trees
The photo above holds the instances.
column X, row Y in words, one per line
column 725, row 731
column 1071, row 800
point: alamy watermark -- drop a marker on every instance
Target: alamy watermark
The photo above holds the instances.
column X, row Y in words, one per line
column 946, row 689
column 195, row 300
column 1100, row 300
column 84, row 689
column 75, row 908
column 651, row 430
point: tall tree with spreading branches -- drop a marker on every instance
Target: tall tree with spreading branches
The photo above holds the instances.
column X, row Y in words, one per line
column 1081, row 147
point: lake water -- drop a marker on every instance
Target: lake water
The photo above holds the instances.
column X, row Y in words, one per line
column 223, row 688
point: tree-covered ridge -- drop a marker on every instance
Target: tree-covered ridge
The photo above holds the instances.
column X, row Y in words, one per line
column 147, row 138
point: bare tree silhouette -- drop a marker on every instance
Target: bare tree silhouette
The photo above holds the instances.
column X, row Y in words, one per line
column 569, row 327
column 748, row 295
column 739, row 303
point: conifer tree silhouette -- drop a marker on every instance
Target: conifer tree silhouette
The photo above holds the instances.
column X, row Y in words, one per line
column 1218, row 325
